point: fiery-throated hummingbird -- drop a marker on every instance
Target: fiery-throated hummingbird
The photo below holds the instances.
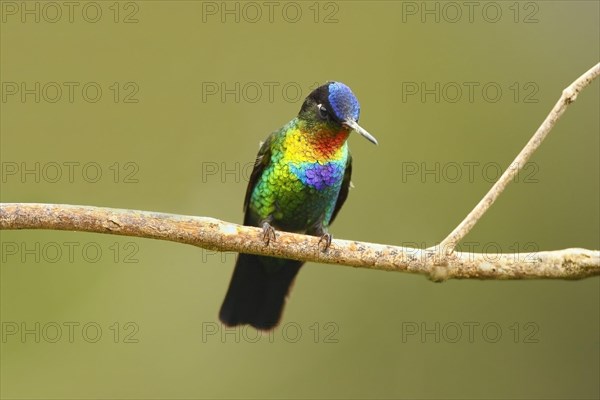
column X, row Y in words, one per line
column 300, row 181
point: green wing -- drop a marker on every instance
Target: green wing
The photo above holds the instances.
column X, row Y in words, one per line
column 343, row 190
column 263, row 158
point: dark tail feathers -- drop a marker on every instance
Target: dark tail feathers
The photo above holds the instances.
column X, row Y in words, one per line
column 257, row 291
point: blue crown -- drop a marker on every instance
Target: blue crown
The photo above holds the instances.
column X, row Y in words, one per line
column 345, row 105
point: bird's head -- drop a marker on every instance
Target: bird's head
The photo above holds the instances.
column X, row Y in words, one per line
column 333, row 105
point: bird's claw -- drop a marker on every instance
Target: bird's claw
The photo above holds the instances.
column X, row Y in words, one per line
column 268, row 233
column 326, row 240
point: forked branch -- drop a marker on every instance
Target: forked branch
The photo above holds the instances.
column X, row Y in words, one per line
column 218, row 235
column 214, row 234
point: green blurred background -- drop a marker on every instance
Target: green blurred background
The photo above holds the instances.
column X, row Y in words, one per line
column 163, row 141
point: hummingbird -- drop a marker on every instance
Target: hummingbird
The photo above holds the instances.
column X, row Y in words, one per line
column 299, row 183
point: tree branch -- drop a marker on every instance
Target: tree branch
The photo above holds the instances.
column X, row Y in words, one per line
column 438, row 263
column 218, row 235
column 568, row 96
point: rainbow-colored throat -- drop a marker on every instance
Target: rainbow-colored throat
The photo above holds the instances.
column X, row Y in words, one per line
column 299, row 188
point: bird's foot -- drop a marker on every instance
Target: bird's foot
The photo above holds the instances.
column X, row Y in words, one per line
column 268, row 233
column 326, row 241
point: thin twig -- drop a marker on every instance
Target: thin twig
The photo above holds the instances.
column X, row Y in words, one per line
column 568, row 96
column 218, row 235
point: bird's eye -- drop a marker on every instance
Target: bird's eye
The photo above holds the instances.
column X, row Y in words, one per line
column 323, row 111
